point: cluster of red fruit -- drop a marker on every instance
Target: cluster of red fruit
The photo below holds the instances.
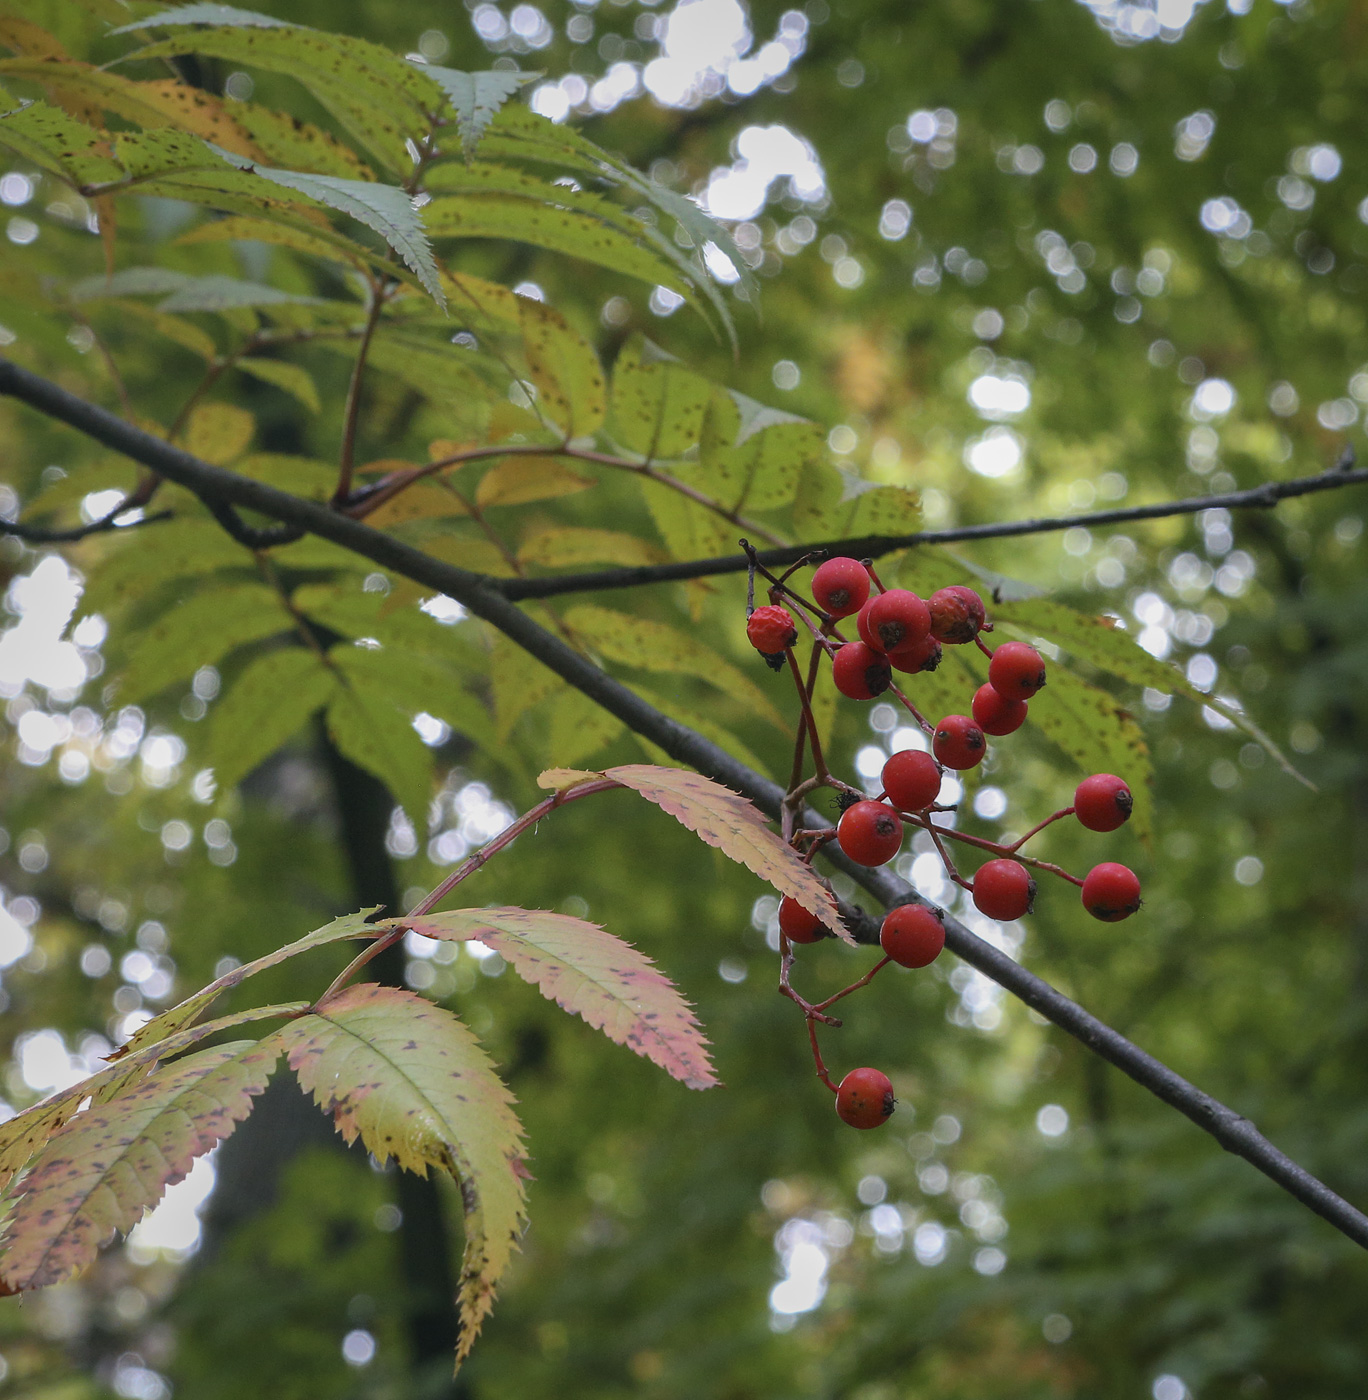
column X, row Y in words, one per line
column 900, row 631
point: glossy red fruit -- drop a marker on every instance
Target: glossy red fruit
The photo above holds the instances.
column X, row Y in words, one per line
column 870, row 833
column 797, row 924
column 865, row 1098
column 1103, row 802
column 911, row 780
column 899, row 619
column 926, row 656
column 1111, row 892
column 867, row 634
column 840, row 586
column 1016, row 671
column 996, row 714
column 1003, row 889
column 958, row 742
column 771, row 629
column 860, row 672
column 957, row 614
column 912, row 935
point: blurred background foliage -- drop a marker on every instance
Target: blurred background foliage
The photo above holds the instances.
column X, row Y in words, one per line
column 1023, row 258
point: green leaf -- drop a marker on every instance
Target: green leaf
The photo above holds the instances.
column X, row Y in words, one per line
column 565, row 369
column 655, row 646
column 105, row 1167
column 264, row 707
column 708, row 728
column 300, row 476
column 579, row 728
column 185, row 548
column 519, row 480
column 519, row 681
column 218, row 433
column 200, row 631
column 591, row 973
column 316, row 242
column 570, row 546
column 833, row 504
column 457, row 380
column 294, row 380
column 291, row 144
column 215, row 293
column 416, row 683
column 369, row 727
column 657, row 404
column 53, row 141
column 412, row 1083
column 475, row 98
column 755, row 470
column 690, row 530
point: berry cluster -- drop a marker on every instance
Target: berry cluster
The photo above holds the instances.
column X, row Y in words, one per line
column 898, row 631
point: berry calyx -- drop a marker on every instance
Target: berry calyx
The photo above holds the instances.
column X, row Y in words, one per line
column 911, row 780
column 771, row 629
column 995, row 713
column 925, row 656
column 840, row 586
column 1111, row 892
column 957, row 614
column 1004, row 889
column 865, row 1098
column 797, row 924
column 912, row 935
column 870, row 833
column 860, row 672
column 958, row 742
column 898, row 619
column 1103, row 802
column 1016, row 671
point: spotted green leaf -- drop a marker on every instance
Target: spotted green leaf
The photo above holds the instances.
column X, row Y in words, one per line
column 565, row 369
column 657, row 404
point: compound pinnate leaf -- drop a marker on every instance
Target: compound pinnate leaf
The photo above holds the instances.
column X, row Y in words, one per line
column 413, row 1084
column 475, row 98
column 265, row 706
column 734, row 825
column 588, row 971
column 103, row 1168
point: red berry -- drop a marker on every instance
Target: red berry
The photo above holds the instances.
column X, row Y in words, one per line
column 1003, row 889
column 771, row 629
column 1103, row 802
column 912, row 935
column 911, row 780
column 797, row 924
column 867, row 634
column 958, row 742
column 925, row 656
column 1111, row 892
column 996, row 714
column 899, row 620
column 840, row 586
column 860, row 673
column 1016, row 671
column 865, row 1098
column 870, row 833
column 957, row 614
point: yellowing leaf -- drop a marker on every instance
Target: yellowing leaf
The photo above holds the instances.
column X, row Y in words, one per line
column 567, row 546
column 103, row 1168
column 412, row 1083
column 52, row 140
column 579, row 727
column 218, row 432
column 565, row 369
column 424, row 500
column 519, row 681
column 295, row 380
column 318, row 243
column 300, row 476
column 657, row 404
column 654, row 646
column 518, row 480
column 590, row 972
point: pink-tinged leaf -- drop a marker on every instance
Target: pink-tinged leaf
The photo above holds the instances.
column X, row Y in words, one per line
column 412, row 1083
column 737, row 828
column 588, row 971
column 22, row 1136
column 105, row 1167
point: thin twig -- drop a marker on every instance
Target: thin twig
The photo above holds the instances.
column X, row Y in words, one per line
column 346, row 457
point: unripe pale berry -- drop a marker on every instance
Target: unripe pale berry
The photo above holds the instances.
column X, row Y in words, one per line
column 1111, row 892
column 911, row 780
column 840, row 586
column 899, row 619
column 958, row 742
column 912, row 935
column 957, row 614
column 860, row 672
column 996, row 714
column 864, row 1098
column 925, row 656
column 771, row 629
column 1103, row 802
column 1016, row 671
column 1004, row 889
column 870, row 833
column 797, row 924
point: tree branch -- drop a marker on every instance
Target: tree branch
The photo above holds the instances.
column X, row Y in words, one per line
column 477, row 593
column 873, row 546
